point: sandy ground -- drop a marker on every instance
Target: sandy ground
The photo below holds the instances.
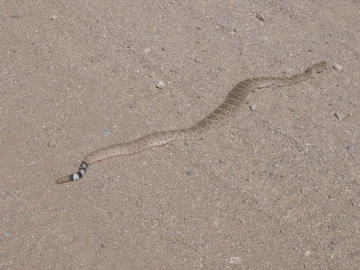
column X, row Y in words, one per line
column 276, row 188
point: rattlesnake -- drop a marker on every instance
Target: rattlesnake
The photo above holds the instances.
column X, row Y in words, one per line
column 217, row 118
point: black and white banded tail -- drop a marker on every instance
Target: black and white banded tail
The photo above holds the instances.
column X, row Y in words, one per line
column 76, row 176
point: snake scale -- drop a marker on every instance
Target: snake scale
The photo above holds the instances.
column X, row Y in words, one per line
column 217, row 118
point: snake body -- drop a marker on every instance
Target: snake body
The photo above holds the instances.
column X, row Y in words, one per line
column 217, row 118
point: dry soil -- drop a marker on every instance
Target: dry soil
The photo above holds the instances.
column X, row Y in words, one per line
column 276, row 188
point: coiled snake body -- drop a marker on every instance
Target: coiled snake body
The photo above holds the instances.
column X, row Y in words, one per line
column 217, row 118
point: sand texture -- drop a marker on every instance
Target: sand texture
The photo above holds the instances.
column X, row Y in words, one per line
column 278, row 187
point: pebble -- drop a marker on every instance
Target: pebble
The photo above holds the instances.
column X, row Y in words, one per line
column 338, row 67
column 253, row 107
column 235, row 260
column 350, row 147
column 307, row 253
column 289, row 71
column 152, row 75
column 160, row 85
column 105, row 132
column 197, row 60
column 339, row 115
column 260, row 16
column 52, row 143
column 92, row 59
column 53, row 17
column 147, row 50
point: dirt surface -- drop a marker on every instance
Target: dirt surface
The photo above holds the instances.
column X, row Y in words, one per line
column 276, row 188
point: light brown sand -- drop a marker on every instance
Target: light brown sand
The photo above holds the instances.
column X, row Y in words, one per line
column 277, row 188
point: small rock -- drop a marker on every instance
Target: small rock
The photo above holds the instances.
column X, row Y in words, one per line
column 52, row 143
column 289, row 71
column 338, row 67
column 260, row 16
column 147, row 50
column 307, row 253
column 350, row 147
column 197, row 60
column 53, row 17
column 235, row 260
column 253, row 107
column 105, row 132
column 160, row 85
column 152, row 75
column 339, row 115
